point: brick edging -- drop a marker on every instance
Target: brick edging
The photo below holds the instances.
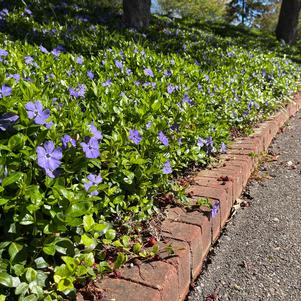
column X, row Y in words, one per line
column 192, row 233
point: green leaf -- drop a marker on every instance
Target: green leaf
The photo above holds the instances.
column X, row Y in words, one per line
column 88, row 241
column 17, row 141
column 6, row 279
column 137, row 248
column 14, row 249
column 21, row 288
column 14, row 178
column 31, row 297
column 110, row 234
column 120, row 260
column 2, row 298
column 3, row 201
column 88, row 222
column 49, row 249
column 41, row 263
column 79, row 209
column 126, row 241
column 65, row 284
column 31, row 274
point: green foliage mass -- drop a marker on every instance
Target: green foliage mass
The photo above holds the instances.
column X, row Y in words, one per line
column 192, row 84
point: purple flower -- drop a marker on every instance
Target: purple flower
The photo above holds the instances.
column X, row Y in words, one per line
column 167, row 168
column 118, row 64
column 80, row 60
column 107, row 83
column 223, row 148
column 7, row 120
column 43, row 49
column 90, row 74
column 67, row 139
column 167, row 73
column 129, row 71
column 3, row 52
column 49, row 124
column 91, row 148
column 209, row 142
column 5, row 91
column 93, row 181
column 170, row 88
column 134, row 136
column 96, row 133
column 201, row 142
column 35, row 110
column 215, row 209
column 28, row 11
column 28, row 60
column 148, row 72
column 49, row 158
column 15, row 76
column 78, row 92
column 149, row 124
column 163, row 139
column 187, row 100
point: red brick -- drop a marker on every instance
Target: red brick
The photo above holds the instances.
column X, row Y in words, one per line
column 251, row 147
column 158, row 275
column 214, row 193
column 181, row 260
column 190, row 234
column 291, row 108
column 251, row 141
column 123, row 290
column 210, row 182
column 281, row 117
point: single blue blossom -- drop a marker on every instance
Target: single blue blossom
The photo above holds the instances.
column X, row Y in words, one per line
column 163, row 138
column 91, row 148
column 107, row 83
column 215, row 209
column 148, row 72
column 3, row 52
column 35, row 111
column 201, row 142
column 90, row 74
column 170, row 88
column 167, row 168
column 49, row 158
column 80, row 60
column 7, row 120
column 223, row 148
column 94, row 180
column 96, row 133
column 134, row 136
column 5, row 91
column 43, row 49
column 67, row 139
column 15, row 76
column 118, row 64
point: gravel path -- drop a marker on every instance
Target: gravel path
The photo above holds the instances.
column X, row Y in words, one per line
column 259, row 255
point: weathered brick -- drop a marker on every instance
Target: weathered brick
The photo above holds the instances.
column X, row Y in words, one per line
column 124, row 290
column 190, row 234
column 181, row 260
column 158, row 275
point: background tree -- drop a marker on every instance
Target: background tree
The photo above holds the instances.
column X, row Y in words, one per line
column 198, row 9
column 137, row 13
column 246, row 12
column 287, row 27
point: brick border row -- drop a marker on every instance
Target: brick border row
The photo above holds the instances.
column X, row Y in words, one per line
column 192, row 233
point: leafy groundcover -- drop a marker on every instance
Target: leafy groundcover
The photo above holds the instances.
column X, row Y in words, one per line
column 94, row 122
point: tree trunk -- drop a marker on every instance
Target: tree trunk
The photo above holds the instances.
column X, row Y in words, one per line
column 137, row 13
column 288, row 21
